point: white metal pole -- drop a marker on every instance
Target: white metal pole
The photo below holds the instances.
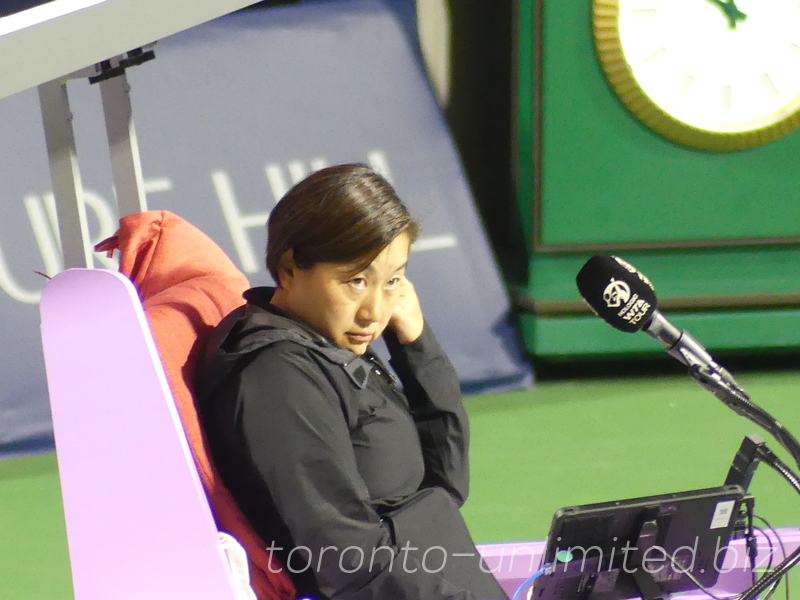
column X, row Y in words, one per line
column 64, row 173
column 122, row 145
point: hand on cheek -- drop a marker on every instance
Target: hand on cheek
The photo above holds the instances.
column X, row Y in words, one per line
column 407, row 320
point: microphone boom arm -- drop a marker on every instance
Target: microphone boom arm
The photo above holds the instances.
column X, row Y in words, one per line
column 681, row 345
column 735, row 398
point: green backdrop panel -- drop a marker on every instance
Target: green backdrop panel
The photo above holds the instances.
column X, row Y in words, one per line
column 680, row 273
column 571, row 336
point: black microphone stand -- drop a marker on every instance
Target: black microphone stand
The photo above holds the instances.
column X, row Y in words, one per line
column 735, row 398
column 726, row 390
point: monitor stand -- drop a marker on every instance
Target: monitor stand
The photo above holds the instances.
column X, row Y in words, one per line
column 589, row 578
column 646, row 584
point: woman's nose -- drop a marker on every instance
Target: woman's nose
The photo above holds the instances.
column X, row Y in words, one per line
column 371, row 308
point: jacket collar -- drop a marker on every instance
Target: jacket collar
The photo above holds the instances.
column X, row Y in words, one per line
column 262, row 298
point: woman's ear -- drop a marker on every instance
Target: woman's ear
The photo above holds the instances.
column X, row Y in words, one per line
column 286, row 269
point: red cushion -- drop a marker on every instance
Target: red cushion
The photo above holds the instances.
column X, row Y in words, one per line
column 187, row 285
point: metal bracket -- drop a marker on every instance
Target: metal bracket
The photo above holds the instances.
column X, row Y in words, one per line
column 115, row 66
column 122, row 144
column 64, row 173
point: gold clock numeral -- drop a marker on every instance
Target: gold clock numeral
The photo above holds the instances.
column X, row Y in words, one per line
column 654, row 55
column 726, row 98
column 767, row 81
column 684, row 89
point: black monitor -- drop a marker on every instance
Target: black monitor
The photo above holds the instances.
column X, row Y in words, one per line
column 640, row 547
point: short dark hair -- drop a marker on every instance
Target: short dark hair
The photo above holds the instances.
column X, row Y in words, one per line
column 341, row 214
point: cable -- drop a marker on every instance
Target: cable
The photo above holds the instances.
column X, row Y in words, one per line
column 783, row 551
column 751, row 543
column 542, row 570
column 771, row 548
column 770, row 578
column 769, row 562
column 771, row 591
column 738, row 400
column 768, row 456
column 768, row 582
column 695, row 581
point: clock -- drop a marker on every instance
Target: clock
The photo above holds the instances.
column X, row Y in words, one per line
column 712, row 74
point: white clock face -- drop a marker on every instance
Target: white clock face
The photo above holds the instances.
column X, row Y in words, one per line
column 691, row 63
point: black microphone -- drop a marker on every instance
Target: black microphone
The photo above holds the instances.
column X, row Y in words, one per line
column 625, row 299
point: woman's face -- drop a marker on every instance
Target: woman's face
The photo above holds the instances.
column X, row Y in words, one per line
column 350, row 309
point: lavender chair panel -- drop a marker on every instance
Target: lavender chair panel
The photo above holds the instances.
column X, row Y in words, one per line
column 138, row 522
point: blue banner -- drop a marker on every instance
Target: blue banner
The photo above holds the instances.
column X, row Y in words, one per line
column 228, row 117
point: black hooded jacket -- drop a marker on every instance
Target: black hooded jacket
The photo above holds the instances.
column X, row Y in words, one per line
column 354, row 483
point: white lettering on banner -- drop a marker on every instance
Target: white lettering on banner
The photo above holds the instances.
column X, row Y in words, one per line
column 47, row 236
column 157, row 184
column 278, row 182
column 318, row 163
column 297, row 171
column 44, row 223
column 11, row 287
column 106, row 224
column 238, row 223
column 377, row 160
column 437, row 242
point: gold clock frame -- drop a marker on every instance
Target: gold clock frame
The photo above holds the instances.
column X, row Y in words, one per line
column 605, row 28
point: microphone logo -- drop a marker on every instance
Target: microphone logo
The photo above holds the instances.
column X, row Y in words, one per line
column 633, row 270
column 616, row 293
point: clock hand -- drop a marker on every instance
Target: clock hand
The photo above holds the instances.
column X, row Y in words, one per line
column 731, row 11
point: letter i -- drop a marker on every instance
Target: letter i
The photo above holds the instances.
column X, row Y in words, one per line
column 611, row 560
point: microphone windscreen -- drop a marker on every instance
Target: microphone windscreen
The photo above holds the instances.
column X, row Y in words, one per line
column 617, row 292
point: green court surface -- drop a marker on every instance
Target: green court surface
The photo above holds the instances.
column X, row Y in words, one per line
column 560, row 444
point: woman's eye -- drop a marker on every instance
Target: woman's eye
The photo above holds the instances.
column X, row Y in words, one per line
column 393, row 283
column 359, row 283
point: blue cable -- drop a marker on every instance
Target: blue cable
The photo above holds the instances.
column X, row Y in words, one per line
column 528, row 581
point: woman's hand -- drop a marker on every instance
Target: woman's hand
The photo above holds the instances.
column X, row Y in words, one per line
column 407, row 321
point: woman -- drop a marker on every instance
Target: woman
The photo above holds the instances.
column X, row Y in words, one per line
column 352, row 481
